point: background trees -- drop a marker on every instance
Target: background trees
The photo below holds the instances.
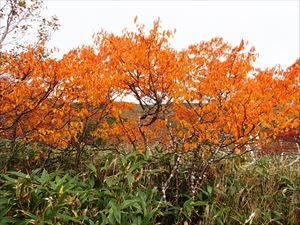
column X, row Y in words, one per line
column 21, row 19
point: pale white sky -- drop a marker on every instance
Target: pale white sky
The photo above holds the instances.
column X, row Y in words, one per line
column 273, row 27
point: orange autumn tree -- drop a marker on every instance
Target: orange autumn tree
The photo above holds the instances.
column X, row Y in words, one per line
column 227, row 103
column 90, row 98
column 283, row 90
column 53, row 101
column 208, row 98
column 84, row 106
column 27, row 79
column 146, row 67
column 215, row 94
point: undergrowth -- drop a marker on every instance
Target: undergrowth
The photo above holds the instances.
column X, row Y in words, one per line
column 127, row 189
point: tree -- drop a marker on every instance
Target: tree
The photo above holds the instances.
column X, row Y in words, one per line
column 208, row 98
column 87, row 100
column 21, row 18
column 145, row 67
column 27, row 80
column 228, row 104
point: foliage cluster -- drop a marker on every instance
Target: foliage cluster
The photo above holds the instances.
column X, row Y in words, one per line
column 207, row 98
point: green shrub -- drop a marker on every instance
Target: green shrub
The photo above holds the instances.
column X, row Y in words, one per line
column 127, row 189
column 66, row 198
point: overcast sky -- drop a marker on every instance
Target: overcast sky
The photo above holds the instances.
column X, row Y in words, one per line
column 271, row 26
